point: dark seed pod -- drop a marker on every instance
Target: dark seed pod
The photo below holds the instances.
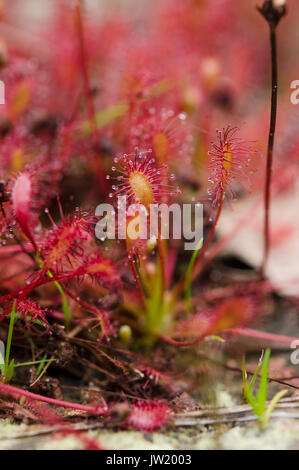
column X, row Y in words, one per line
column 273, row 11
column 45, row 125
column 5, row 126
column 223, row 98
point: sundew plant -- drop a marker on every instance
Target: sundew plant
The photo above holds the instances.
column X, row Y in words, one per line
column 126, row 134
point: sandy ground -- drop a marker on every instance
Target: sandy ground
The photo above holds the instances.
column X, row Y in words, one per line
column 280, row 434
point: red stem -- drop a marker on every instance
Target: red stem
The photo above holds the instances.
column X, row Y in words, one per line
column 15, row 391
column 248, row 332
column 84, row 66
column 256, row 334
column 199, row 264
column 24, row 291
column 202, row 253
column 136, row 277
column 88, row 92
column 181, row 344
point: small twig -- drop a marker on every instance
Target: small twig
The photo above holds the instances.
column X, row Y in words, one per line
column 236, row 419
column 43, row 372
column 238, row 370
column 236, row 414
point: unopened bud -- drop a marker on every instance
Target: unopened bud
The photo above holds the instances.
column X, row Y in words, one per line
column 211, row 72
column 151, row 244
column 125, row 334
column 151, row 269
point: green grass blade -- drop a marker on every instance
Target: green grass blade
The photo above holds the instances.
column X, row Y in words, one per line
column 104, row 117
column 154, row 304
column 65, row 305
column 9, row 336
column 254, row 377
column 41, row 365
column 263, row 390
column 251, row 400
column 41, row 362
column 244, row 373
column 272, row 405
column 10, row 371
column 215, row 338
column 108, row 115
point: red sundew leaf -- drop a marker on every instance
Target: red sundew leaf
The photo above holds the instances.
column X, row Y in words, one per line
column 106, row 326
column 228, row 314
column 32, row 311
column 63, row 242
column 21, row 200
column 166, row 133
column 232, row 312
column 229, row 161
column 100, row 269
column 148, row 416
column 196, row 326
column 154, row 376
column 97, row 268
column 140, row 179
column 47, row 415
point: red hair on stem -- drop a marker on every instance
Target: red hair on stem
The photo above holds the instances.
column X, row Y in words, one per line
column 229, row 162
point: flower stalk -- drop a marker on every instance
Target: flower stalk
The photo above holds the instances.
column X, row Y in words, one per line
column 272, row 12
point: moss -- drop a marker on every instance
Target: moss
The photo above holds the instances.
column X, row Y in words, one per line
column 7, row 426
